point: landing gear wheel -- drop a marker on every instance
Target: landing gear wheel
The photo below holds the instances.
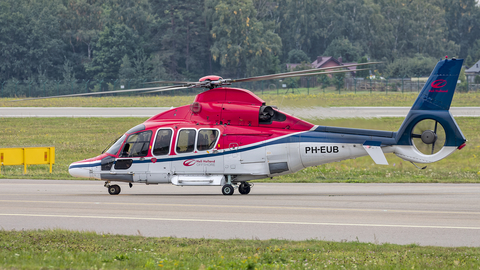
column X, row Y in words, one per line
column 244, row 188
column 227, row 189
column 114, row 190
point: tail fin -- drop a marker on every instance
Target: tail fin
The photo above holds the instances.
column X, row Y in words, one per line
column 437, row 94
column 429, row 132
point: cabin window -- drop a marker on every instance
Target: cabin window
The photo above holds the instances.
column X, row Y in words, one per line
column 113, row 150
column 162, row 142
column 186, row 140
column 207, row 139
column 137, row 144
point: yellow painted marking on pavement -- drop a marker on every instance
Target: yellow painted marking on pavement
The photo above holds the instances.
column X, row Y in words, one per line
column 250, row 207
column 250, row 221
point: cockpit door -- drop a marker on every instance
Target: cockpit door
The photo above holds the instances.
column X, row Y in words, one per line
column 132, row 165
column 161, row 166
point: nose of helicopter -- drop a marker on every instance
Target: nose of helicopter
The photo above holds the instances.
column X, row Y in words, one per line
column 77, row 169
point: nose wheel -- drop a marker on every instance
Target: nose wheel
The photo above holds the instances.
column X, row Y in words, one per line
column 113, row 189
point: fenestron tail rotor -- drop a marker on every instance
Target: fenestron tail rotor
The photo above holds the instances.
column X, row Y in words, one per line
column 428, row 136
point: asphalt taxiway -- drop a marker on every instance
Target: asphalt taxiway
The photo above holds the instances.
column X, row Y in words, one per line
column 424, row 214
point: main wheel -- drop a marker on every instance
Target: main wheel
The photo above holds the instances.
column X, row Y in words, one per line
column 227, row 189
column 114, row 189
column 244, row 188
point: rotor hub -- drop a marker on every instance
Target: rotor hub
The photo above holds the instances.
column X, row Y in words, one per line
column 428, row 136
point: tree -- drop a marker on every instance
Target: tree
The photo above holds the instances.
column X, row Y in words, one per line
column 362, row 73
column 158, row 71
column 143, row 65
column 82, row 21
column 477, row 79
column 68, row 73
column 342, row 47
column 307, row 25
column 474, row 51
column 242, row 45
column 297, row 56
column 182, row 30
column 339, row 80
column 420, row 65
column 463, row 85
column 360, row 23
column 462, row 23
column 126, row 70
column 30, row 38
column 113, row 44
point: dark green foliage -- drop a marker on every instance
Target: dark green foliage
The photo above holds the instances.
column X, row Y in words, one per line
column 363, row 73
column 86, row 40
column 419, row 66
column 30, row 39
column 474, row 52
column 477, row 79
column 342, row 47
column 462, row 86
column 462, row 20
column 113, row 44
column 242, row 44
column 297, row 56
column 339, row 80
column 126, row 70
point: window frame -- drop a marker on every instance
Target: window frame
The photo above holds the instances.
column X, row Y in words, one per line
column 118, row 143
column 177, row 140
column 216, row 140
column 120, row 155
column 170, row 143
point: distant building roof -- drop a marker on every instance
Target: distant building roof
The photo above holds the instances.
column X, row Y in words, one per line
column 474, row 69
column 326, row 62
column 353, row 68
column 323, row 60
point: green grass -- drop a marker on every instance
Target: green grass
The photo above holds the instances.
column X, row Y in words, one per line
column 297, row 99
column 80, row 138
column 59, row 249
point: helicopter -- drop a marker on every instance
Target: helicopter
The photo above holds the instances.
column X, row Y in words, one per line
column 229, row 136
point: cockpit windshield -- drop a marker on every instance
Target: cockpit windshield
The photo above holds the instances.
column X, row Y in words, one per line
column 113, row 150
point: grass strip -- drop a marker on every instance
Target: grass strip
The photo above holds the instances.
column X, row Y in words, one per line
column 61, row 249
column 80, row 138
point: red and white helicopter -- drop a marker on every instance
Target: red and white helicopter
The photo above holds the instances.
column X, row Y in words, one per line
column 229, row 136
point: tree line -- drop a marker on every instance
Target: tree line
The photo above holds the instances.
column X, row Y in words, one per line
column 105, row 40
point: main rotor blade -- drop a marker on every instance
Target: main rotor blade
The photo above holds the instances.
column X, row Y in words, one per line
column 315, row 73
column 174, row 82
column 279, row 75
column 99, row 93
column 169, row 89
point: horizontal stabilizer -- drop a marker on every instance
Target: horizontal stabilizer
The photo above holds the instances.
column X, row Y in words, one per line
column 375, row 151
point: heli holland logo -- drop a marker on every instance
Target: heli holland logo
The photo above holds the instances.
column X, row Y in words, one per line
column 439, row 83
column 189, row 162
